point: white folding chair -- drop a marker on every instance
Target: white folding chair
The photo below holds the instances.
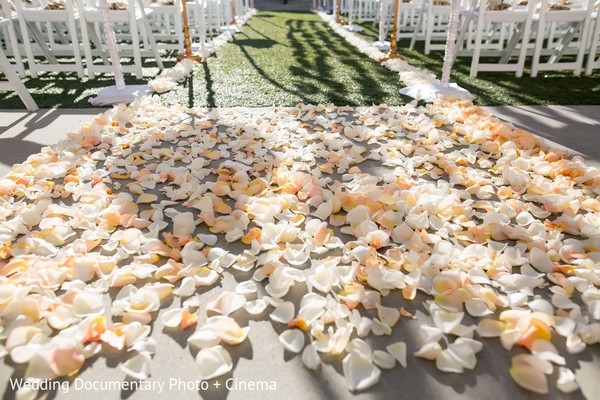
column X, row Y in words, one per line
column 132, row 26
column 593, row 62
column 366, row 10
column 46, row 40
column 408, row 17
column 166, row 23
column 14, row 82
column 432, row 25
column 575, row 25
column 9, row 35
column 498, row 45
column 214, row 15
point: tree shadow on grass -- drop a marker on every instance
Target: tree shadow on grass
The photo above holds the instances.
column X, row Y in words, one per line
column 67, row 90
column 317, row 68
column 263, row 73
column 256, row 43
column 328, row 53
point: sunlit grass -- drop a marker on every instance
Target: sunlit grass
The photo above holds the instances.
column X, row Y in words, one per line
column 503, row 88
column 282, row 58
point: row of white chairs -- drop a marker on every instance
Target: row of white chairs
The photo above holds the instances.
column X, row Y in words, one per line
column 507, row 31
column 61, row 39
column 71, row 38
column 206, row 18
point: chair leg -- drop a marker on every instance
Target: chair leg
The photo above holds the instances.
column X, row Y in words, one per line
column 477, row 49
column 12, row 36
column 135, row 42
column 417, row 29
column 179, row 29
column 584, row 34
column 152, row 40
column 87, row 50
column 593, row 49
column 539, row 39
column 76, row 49
column 464, row 26
column 523, row 52
column 15, row 81
column 28, row 50
column 428, row 33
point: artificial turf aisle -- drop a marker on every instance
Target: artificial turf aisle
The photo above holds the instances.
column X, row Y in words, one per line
column 282, row 58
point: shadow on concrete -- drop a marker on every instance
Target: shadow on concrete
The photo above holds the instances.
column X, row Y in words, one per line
column 23, row 133
column 572, row 128
column 284, row 5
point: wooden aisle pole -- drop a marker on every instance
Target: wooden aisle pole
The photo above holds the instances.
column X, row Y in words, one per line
column 393, row 53
column 188, row 55
column 232, row 12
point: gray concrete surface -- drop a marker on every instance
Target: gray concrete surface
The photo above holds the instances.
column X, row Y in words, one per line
column 572, row 128
column 23, row 133
column 283, row 5
column 262, row 358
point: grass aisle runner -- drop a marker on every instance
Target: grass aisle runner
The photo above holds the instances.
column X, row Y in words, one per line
column 282, row 58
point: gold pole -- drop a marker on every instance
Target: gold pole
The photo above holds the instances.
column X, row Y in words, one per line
column 187, row 43
column 338, row 18
column 315, row 4
column 232, row 12
column 393, row 40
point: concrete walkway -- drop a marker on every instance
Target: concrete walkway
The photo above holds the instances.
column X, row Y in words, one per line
column 261, row 358
column 574, row 128
column 283, row 5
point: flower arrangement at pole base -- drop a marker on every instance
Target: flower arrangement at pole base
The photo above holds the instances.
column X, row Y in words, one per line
column 420, row 83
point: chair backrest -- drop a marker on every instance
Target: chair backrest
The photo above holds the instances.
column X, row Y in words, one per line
column 575, row 10
column 133, row 26
column 515, row 12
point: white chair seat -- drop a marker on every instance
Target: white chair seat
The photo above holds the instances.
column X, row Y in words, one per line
column 47, row 15
column 120, row 16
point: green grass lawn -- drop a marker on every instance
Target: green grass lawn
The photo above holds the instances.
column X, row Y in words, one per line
column 282, row 58
column 278, row 59
column 66, row 90
column 503, row 88
column 285, row 58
